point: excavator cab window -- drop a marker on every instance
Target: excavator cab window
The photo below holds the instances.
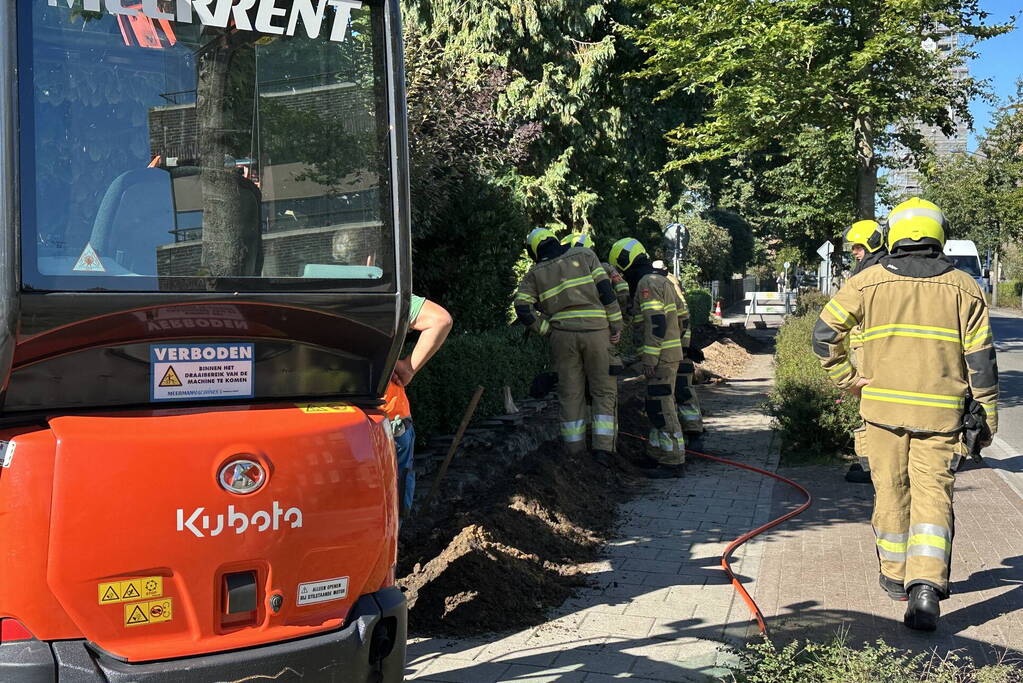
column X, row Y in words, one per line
column 226, row 152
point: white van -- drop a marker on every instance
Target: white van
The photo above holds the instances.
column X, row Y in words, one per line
column 964, row 254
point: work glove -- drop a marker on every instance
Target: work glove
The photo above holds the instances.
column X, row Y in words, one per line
column 649, row 371
column 695, row 354
column 976, row 432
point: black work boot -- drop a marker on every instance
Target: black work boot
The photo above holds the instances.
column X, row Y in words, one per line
column 858, row 475
column 923, row 611
column 666, row 472
column 604, row 458
column 895, row 589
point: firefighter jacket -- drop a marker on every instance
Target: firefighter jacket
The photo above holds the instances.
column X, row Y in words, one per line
column 856, row 335
column 683, row 312
column 927, row 343
column 570, row 291
column 620, row 286
column 658, row 302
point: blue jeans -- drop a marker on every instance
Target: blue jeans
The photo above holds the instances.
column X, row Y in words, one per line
column 404, row 446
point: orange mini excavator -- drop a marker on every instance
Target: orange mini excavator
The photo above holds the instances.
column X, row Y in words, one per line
column 196, row 483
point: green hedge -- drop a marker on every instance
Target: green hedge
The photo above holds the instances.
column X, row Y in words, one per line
column 811, row 303
column 1009, row 294
column 811, row 662
column 441, row 391
column 699, row 301
column 814, row 418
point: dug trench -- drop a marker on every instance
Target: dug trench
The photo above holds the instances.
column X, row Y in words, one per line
column 502, row 554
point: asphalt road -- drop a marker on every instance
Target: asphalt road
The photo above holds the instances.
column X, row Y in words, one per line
column 1006, row 453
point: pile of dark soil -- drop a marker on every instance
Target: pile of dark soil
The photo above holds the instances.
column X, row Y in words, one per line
column 511, row 551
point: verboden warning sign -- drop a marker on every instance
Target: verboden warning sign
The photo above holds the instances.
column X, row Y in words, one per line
column 187, row 372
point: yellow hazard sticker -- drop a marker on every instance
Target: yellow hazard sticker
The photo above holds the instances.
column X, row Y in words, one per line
column 150, row 612
column 170, row 378
column 325, row 407
column 132, row 589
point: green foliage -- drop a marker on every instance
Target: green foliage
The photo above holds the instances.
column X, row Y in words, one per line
column 596, row 140
column 981, row 193
column 1009, row 294
column 710, row 247
column 741, row 237
column 793, row 85
column 811, row 303
column 495, row 359
column 834, row 661
column 699, row 302
column 814, row 418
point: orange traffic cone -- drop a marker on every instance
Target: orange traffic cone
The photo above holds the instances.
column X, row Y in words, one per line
column 718, row 320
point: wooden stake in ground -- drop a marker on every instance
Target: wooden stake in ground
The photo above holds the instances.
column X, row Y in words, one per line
column 470, row 409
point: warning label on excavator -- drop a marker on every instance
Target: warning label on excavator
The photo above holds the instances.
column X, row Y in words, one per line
column 89, row 261
column 151, row 612
column 186, row 372
column 132, row 589
column 325, row 407
column 170, row 378
column 323, row 591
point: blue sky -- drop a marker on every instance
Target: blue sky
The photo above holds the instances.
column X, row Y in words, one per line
column 1000, row 60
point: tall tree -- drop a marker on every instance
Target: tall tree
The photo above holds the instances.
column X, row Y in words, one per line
column 600, row 138
column 982, row 193
column 857, row 76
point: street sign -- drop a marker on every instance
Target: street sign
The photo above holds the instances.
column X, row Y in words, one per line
column 825, row 249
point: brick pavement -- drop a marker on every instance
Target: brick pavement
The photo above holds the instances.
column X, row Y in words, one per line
column 820, row 570
column 660, row 608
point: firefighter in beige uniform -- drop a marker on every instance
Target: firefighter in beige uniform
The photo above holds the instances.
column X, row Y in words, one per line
column 569, row 296
column 927, row 352
column 866, row 241
column 657, row 301
column 687, row 401
column 618, row 284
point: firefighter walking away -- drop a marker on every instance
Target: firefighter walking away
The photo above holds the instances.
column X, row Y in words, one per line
column 927, row 362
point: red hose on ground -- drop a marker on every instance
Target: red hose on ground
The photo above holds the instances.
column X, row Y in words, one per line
column 725, row 564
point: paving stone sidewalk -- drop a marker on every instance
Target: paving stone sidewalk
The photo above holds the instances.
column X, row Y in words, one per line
column 819, row 571
column 660, row 608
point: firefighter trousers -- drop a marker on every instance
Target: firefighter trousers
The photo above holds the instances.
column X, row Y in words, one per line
column 686, row 399
column 666, row 444
column 581, row 358
column 913, row 522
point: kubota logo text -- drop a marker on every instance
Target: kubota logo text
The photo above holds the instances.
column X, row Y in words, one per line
column 202, row 524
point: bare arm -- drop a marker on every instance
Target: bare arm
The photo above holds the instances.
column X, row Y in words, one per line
column 433, row 323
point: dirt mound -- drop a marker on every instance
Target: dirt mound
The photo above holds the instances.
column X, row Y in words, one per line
column 725, row 358
column 509, row 552
column 726, row 351
column 477, row 584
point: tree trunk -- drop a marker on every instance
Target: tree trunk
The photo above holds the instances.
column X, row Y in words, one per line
column 231, row 242
column 993, row 279
column 866, row 167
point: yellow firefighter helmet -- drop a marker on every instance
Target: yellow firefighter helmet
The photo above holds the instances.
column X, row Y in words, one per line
column 868, row 233
column 535, row 238
column 915, row 221
column 578, row 239
column 624, row 252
